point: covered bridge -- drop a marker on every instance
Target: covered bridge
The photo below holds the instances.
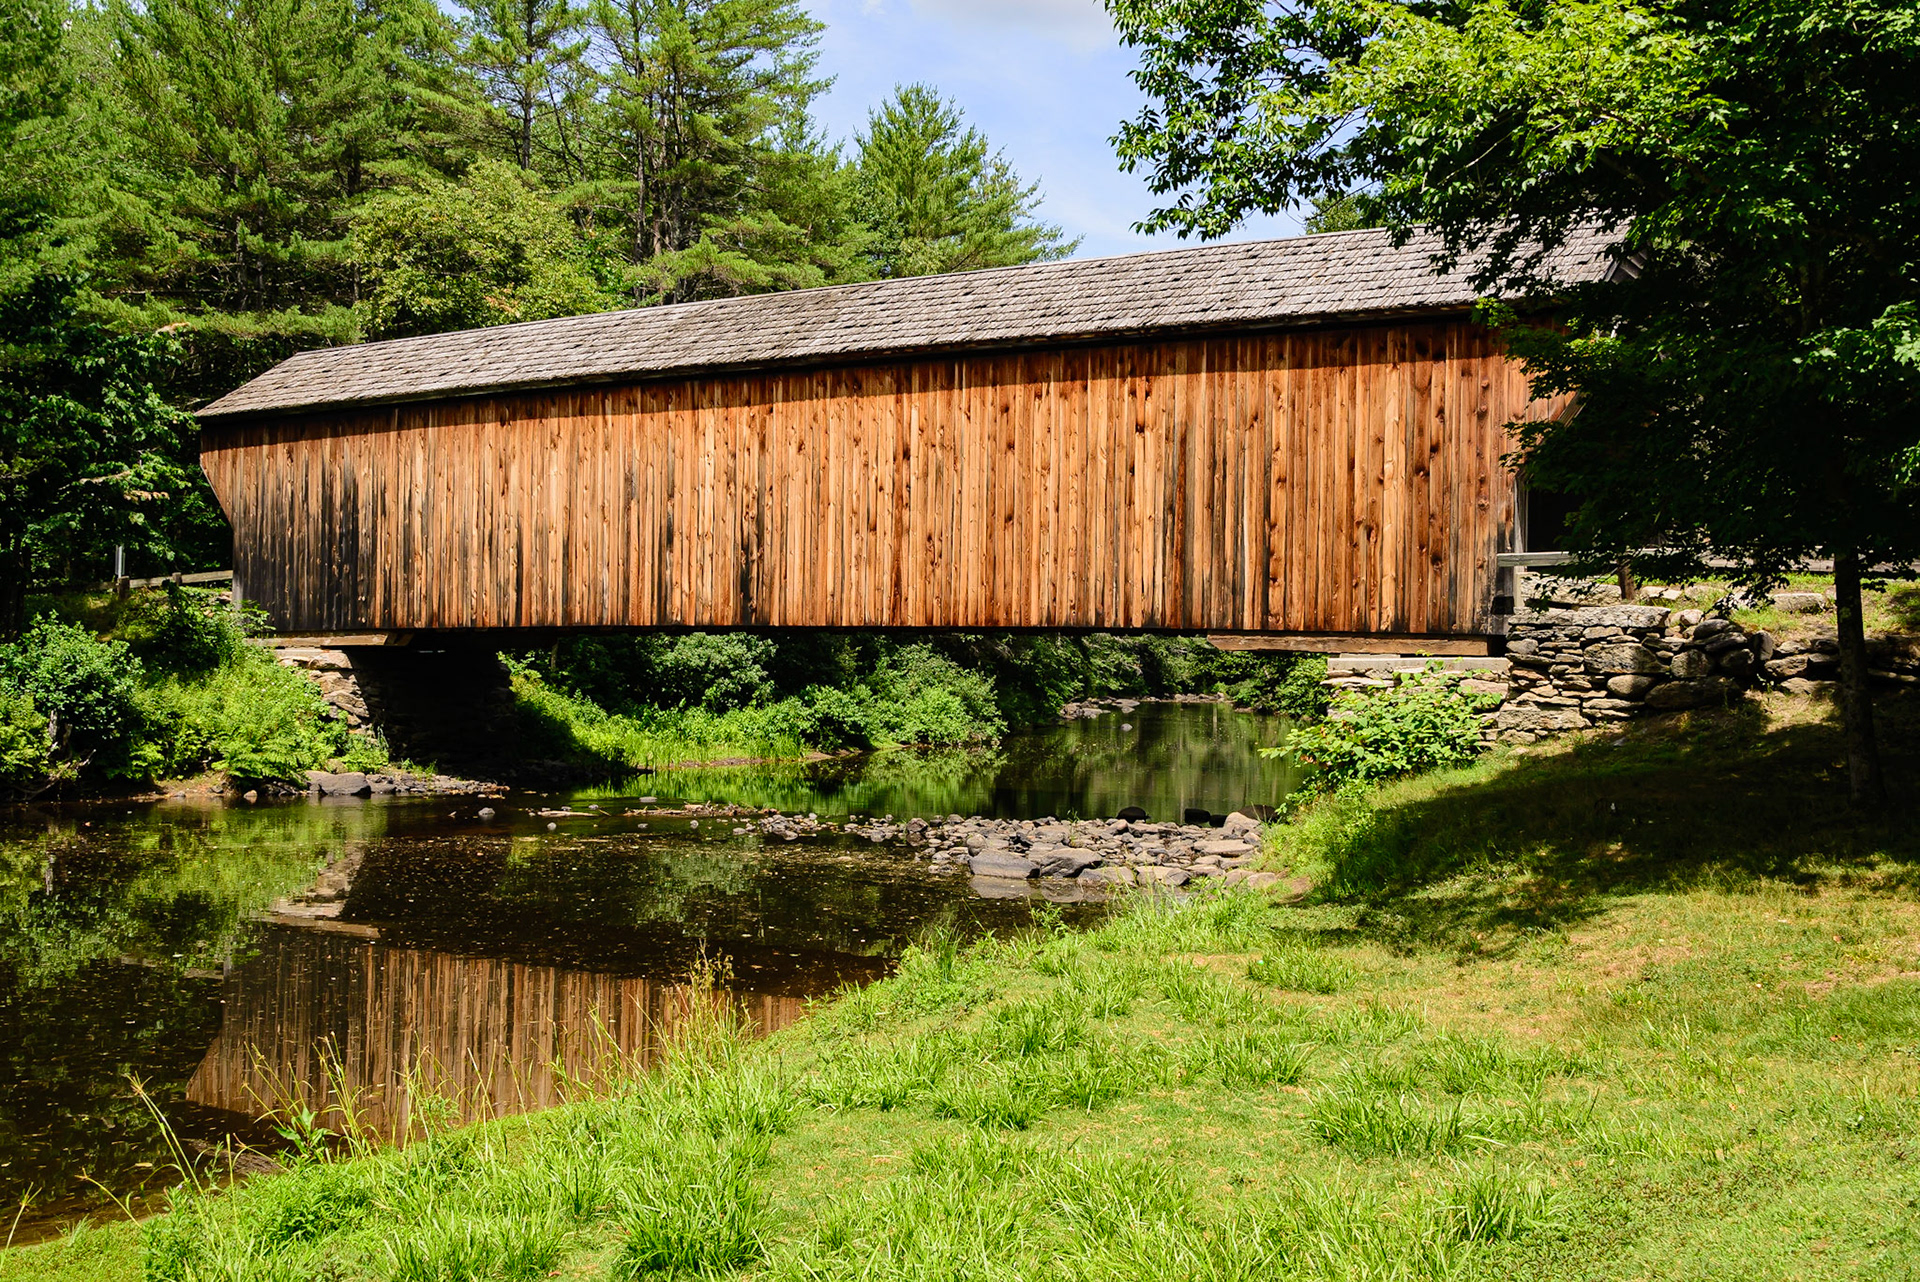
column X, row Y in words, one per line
column 1284, row 437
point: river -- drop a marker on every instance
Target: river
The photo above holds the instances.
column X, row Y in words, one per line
column 484, row 964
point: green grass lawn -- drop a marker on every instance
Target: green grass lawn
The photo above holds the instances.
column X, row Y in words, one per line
column 1642, row 1008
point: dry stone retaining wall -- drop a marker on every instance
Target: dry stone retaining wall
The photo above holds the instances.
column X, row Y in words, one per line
column 1576, row 668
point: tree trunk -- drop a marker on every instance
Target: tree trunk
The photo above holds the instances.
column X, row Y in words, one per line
column 1864, row 779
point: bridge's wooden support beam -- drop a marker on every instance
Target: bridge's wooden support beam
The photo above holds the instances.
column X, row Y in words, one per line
column 335, row 640
column 1317, row 643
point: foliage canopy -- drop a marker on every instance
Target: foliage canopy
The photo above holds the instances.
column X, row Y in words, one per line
column 1749, row 380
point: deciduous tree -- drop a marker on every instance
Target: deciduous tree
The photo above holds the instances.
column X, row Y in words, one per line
column 1749, row 380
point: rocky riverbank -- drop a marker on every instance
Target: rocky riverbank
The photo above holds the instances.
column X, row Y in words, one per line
column 377, row 783
column 1106, row 852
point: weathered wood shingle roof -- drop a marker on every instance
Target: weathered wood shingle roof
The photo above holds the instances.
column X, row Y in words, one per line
column 1301, row 281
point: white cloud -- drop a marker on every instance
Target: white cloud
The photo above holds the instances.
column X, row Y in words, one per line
column 1082, row 24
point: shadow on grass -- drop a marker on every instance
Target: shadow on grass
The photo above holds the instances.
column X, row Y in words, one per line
column 1475, row 860
column 1903, row 605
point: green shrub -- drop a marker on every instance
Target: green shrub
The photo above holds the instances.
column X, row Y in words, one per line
column 250, row 717
column 921, row 696
column 86, row 688
column 830, row 719
column 1291, row 684
column 715, row 671
column 23, row 740
column 1425, row 721
column 181, row 629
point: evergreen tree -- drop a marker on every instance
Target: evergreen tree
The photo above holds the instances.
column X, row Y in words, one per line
column 252, row 130
column 530, row 57
column 707, row 159
column 937, row 200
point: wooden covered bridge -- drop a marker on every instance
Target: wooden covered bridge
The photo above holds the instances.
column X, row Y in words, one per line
column 1296, row 438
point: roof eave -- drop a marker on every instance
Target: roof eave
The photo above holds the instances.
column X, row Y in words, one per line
column 213, row 415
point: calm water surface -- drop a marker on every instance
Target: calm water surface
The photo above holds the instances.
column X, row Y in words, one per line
column 471, row 957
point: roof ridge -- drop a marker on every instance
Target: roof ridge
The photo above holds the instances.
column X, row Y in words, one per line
column 1211, row 286
column 817, row 291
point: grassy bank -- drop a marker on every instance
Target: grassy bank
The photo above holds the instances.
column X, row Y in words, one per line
column 1652, row 1011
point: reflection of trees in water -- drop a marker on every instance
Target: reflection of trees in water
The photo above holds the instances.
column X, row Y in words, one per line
column 1174, row 756
column 174, row 894
column 641, row 902
column 106, row 920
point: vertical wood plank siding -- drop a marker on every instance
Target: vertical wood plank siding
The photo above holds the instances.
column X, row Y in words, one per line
column 1317, row 481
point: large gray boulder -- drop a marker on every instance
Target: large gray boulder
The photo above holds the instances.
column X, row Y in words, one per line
column 1690, row 694
column 998, row 863
column 345, row 784
column 1622, row 657
column 1065, row 861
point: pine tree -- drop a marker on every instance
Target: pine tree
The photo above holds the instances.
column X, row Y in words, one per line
column 530, row 55
column 250, row 130
column 938, row 200
column 707, row 158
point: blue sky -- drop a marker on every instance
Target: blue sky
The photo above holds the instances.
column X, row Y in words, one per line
column 1045, row 80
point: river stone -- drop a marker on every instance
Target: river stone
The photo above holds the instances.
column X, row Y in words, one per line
column 1117, row 875
column 1788, row 668
column 1631, row 686
column 999, row 887
column 1066, row 862
column 1623, row 656
column 349, row 783
column 1222, row 847
column 1690, row 694
column 1737, row 663
column 1240, row 822
column 1161, row 875
column 998, row 863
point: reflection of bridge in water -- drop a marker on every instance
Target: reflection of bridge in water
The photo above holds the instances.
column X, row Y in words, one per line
column 329, row 1017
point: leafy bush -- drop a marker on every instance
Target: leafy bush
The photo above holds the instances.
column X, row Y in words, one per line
column 23, row 740
column 249, row 717
column 715, row 671
column 1425, row 721
column 87, row 689
column 1145, row 666
column 181, row 629
column 830, row 719
column 921, row 696
column 1286, row 683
